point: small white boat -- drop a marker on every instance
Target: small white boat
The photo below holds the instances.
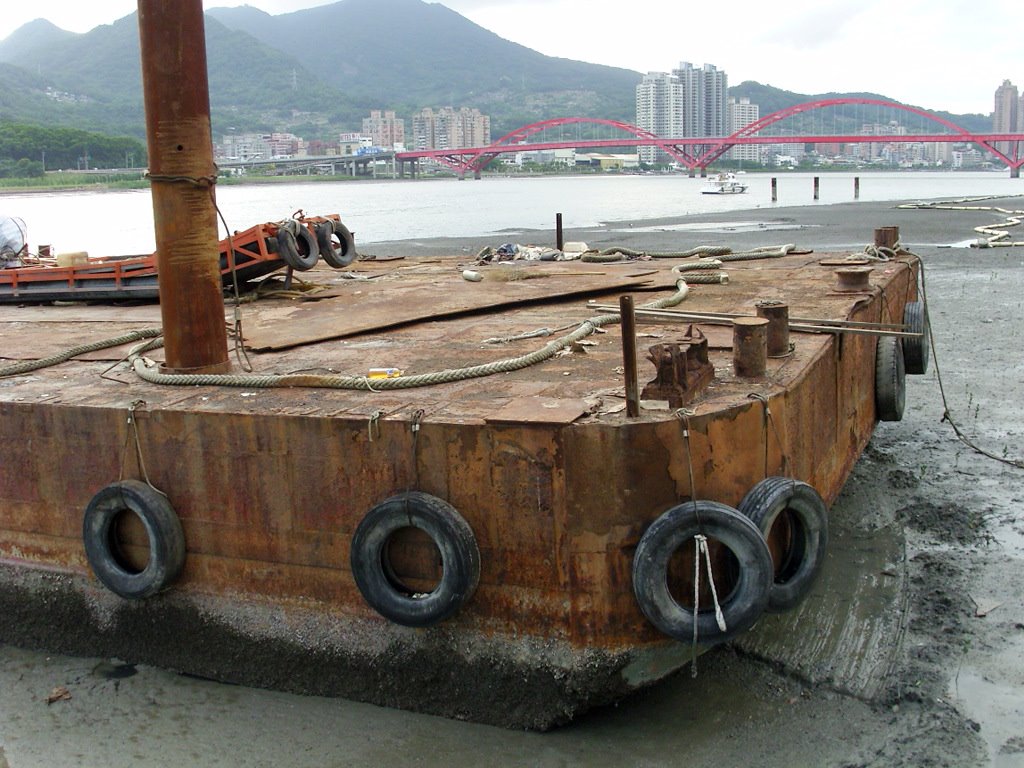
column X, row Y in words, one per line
column 723, row 184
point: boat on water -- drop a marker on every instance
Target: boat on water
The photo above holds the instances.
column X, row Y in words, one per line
column 723, row 184
column 414, row 502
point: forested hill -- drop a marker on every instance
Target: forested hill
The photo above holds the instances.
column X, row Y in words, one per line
column 319, row 71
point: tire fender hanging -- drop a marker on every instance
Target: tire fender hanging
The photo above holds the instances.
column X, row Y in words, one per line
column 340, row 254
column 297, row 246
column 890, row 379
column 454, row 539
column 163, row 529
column 799, row 505
column 676, row 528
column 915, row 350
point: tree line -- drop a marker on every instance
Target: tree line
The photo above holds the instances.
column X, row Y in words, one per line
column 31, row 150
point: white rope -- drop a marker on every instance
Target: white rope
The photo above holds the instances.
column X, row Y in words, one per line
column 701, row 546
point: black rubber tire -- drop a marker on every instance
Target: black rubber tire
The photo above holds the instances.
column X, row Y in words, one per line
column 801, row 562
column 166, row 539
column 915, row 351
column 890, row 379
column 297, row 246
column 451, row 534
column 340, row 254
column 676, row 527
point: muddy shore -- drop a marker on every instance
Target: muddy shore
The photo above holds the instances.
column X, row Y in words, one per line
column 953, row 696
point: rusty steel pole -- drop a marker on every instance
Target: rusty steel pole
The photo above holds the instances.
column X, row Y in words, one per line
column 182, row 175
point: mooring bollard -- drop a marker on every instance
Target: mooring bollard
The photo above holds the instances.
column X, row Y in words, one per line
column 775, row 190
column 558, row 232
column 856, row 187
column 749, row 346
column 887, row 237
column 817, row 185
column 777, row 314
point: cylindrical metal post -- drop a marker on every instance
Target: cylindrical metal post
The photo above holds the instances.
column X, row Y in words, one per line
column 182, row 175
column 775, row 190
column 629, row 356
column 777, row 315
column 887, row 237
column 749, row 346
column 559, row 240
column 856, row 187
column 817, row 186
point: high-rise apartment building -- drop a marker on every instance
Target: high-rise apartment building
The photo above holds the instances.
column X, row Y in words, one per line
column 1006, row 117
column 741, row 114
column 689, row 102
column 384, row 129
column 659, row 109
column 448, row 128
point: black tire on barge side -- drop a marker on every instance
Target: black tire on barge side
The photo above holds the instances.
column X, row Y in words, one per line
column 890, row 379
column 450, row 533
column 677, row 527
column 798, row 505
column 163, row 529
column 915, row 350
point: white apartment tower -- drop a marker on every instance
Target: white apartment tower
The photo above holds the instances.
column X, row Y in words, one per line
column 689, row 102
column 659, row 100
column 742, row 113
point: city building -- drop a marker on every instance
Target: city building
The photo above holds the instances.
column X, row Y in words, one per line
column 1006, row 117
column 448, row 128
column 688, row 102
column 741, row 114
column 659, row 109
column 384, row 129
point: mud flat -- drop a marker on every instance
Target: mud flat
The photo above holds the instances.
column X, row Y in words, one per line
column 923, row 518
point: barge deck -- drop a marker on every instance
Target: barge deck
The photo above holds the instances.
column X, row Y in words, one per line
column 555, row 481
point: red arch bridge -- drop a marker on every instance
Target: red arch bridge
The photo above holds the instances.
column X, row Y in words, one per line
column 700, row 152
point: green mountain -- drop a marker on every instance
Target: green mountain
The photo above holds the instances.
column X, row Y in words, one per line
column 319, row 71
column 409, row 54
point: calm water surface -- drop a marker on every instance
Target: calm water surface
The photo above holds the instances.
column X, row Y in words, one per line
column 113, row 223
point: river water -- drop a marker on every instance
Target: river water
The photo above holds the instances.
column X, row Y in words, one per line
column 121, row 222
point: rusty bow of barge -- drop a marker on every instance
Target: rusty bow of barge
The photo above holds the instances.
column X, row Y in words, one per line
column 523, row 534
column 468, row 548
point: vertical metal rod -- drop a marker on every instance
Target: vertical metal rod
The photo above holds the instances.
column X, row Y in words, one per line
column 817, row 186
column 559, row 241
column 629, row 356
column 775, row 190
column 182, row 175
column 856, row 187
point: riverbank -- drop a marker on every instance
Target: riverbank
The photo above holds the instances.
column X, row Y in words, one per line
column 955, row 693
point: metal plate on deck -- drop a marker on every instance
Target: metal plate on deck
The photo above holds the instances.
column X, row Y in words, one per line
column 366, row 307
column 539, row 410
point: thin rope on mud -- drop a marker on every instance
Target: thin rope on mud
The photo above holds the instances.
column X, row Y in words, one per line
column 995, row 235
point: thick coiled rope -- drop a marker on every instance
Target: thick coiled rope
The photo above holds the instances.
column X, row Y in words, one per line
column 618, row 252
column 996, row 235
column 61, row 357
column 149, row 371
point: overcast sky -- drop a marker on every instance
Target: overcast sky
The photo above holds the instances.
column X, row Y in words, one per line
column 937, row 54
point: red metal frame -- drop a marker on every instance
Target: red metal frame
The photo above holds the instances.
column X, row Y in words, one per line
column 700, row 152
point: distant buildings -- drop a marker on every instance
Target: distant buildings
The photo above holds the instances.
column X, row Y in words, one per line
column 688, row 102
column 384, row 129
column 1008, row 115
column 742, row 113
column 448, row 128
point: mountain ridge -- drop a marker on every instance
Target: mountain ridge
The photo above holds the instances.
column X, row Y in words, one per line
column 318, row 71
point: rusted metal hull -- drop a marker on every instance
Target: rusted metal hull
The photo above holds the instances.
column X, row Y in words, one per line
column 556, row 482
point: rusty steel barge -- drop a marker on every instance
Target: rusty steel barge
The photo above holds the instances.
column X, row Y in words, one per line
column 415, row 499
